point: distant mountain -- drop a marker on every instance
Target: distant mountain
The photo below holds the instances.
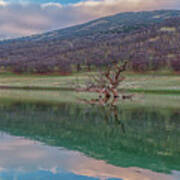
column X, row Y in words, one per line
column 149, row 40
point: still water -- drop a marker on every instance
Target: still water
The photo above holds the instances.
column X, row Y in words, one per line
column 74, row 141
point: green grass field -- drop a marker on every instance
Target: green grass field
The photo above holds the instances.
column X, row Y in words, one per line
column 147, row 83
column 161, row 89
column 72, row 97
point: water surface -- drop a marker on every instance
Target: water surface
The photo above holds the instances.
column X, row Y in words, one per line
column 27, row 159
column 70, row 140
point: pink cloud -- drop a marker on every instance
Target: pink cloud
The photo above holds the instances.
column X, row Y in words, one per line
column 26, row 19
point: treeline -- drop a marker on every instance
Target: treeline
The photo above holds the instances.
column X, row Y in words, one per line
column 147, row 47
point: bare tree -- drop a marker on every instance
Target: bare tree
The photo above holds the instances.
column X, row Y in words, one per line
column 105, row 83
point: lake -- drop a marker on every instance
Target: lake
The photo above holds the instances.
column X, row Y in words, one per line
column 53, row 135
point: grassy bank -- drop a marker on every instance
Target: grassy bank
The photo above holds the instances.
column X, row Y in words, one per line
column 140, row 83
column 155, row 91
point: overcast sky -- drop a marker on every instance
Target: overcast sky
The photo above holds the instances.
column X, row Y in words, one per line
column 26, row 17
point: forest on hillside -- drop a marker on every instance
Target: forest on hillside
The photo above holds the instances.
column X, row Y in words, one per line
column 149, row 45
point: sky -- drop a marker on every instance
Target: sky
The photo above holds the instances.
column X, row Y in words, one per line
column 26, row 17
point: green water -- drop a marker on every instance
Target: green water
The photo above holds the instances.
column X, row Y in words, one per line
column 132, row 134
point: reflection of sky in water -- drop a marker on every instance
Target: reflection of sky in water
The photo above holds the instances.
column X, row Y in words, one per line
column 27, row 160
column 45, row 175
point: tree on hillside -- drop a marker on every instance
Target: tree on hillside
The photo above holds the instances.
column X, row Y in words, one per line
column 176, row 64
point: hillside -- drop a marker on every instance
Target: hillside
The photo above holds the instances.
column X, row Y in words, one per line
column 149, row 40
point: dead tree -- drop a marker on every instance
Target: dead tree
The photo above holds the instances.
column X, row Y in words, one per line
column 106, row 82
column 113, row 75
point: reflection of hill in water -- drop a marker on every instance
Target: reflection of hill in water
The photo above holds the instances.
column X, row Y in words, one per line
column 143, row 137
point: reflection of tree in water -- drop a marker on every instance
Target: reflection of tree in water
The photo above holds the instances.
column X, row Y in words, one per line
column 112, row 116
column 109, row 109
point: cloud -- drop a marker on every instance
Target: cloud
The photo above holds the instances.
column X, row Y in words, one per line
column 2, row 3
column 108, row 7
column 51, row 4
column 22, row 19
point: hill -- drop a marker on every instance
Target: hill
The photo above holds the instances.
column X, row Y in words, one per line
column 149, row 40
